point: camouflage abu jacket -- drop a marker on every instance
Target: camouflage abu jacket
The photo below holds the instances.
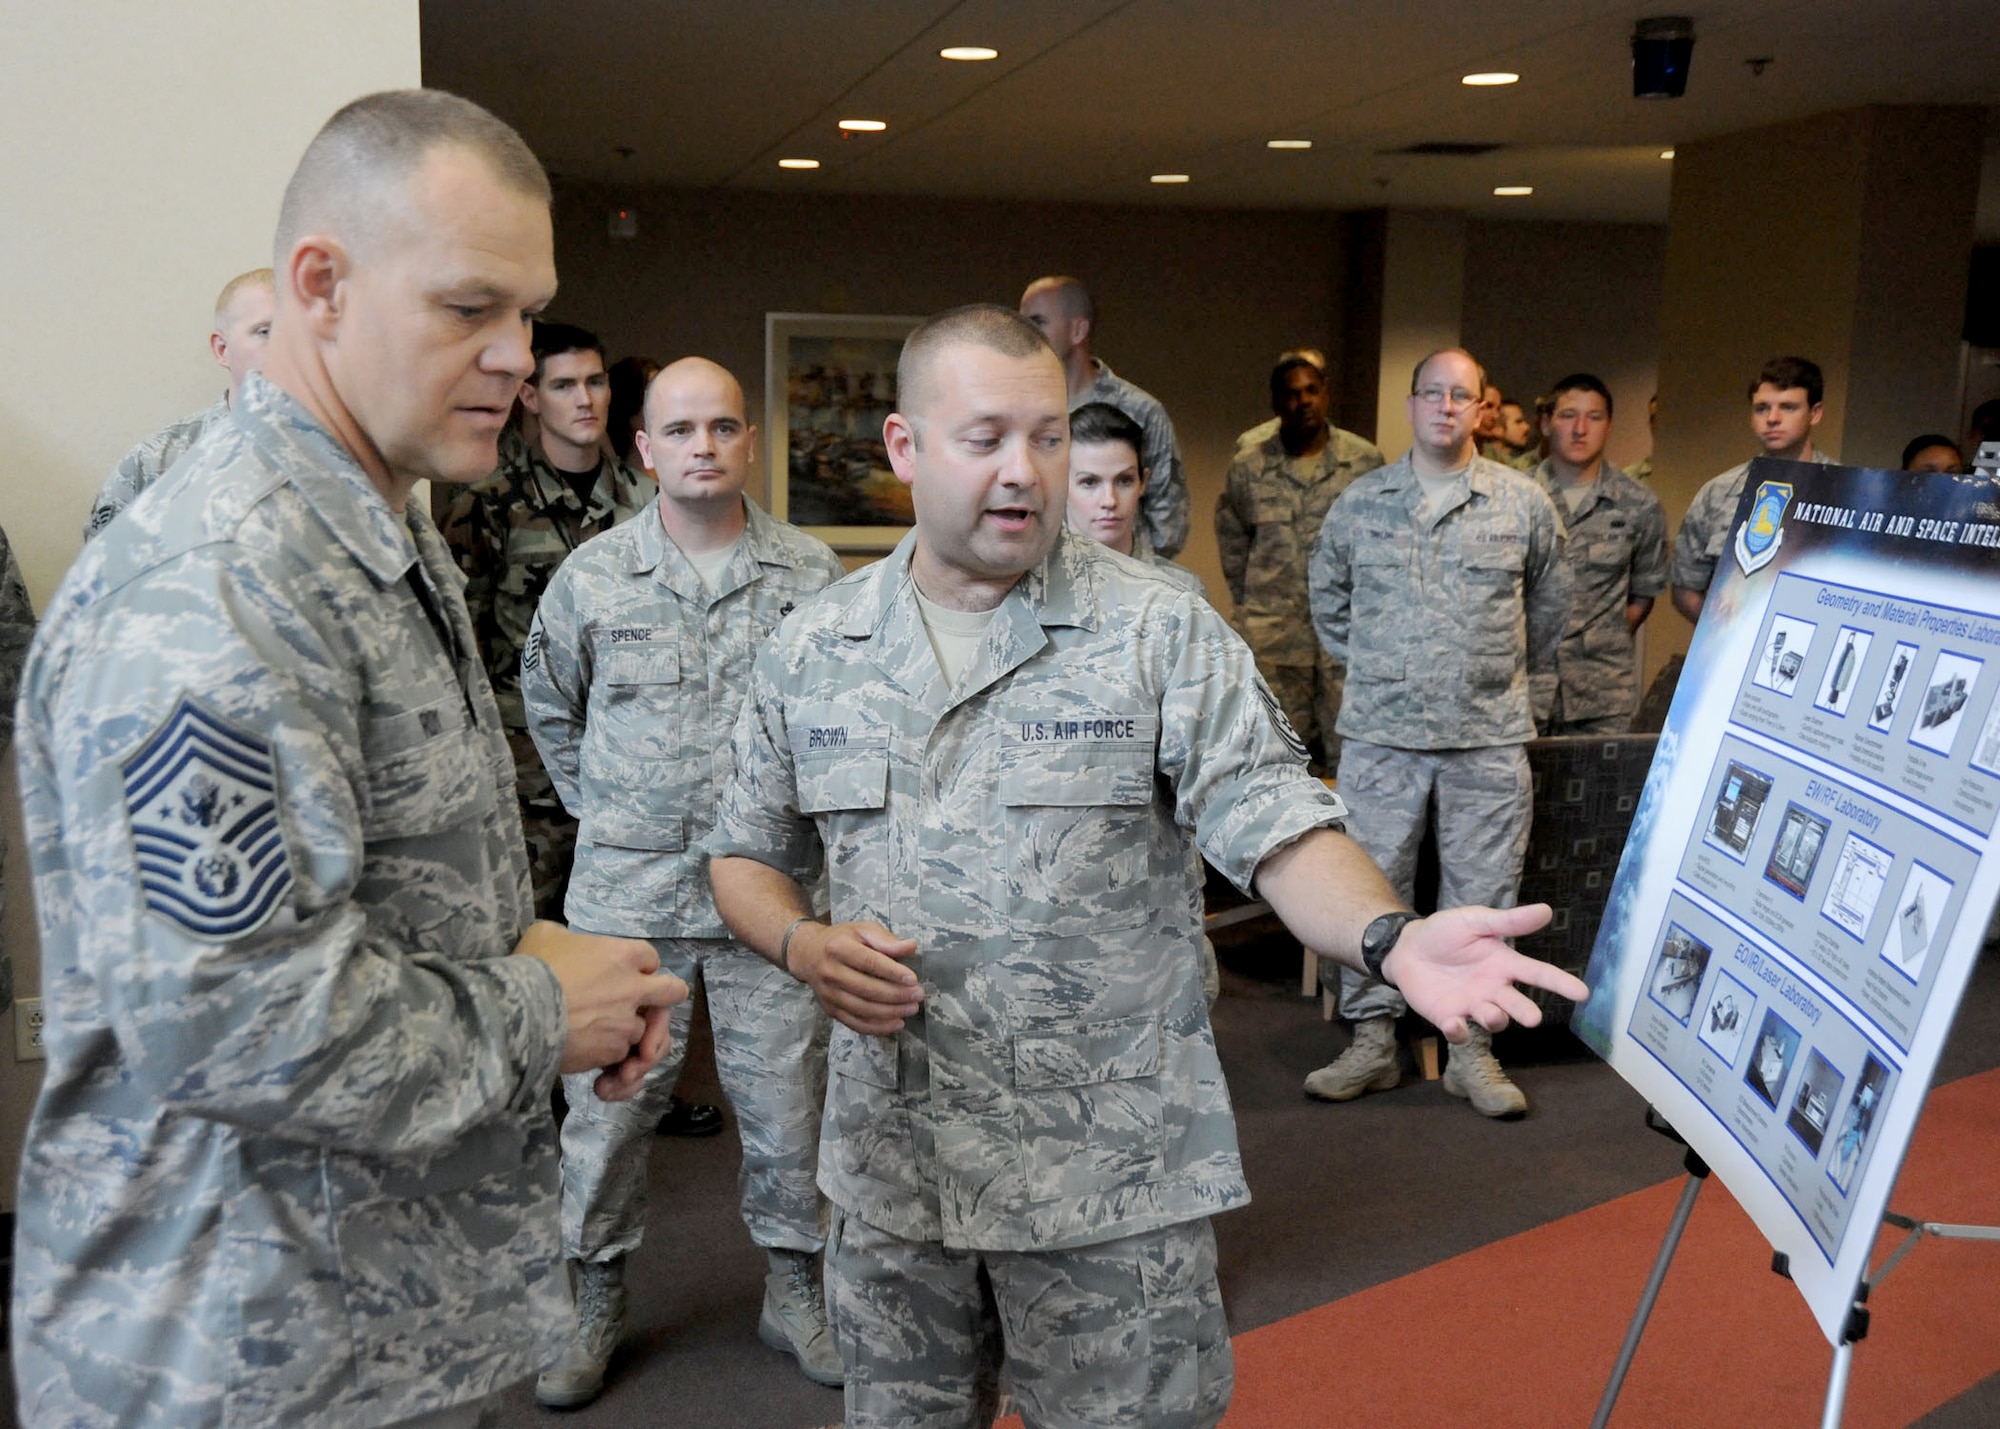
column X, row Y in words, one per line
column 292, row 1161
column 1034, row 834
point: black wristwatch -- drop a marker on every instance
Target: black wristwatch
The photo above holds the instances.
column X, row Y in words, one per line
column 1379, row 937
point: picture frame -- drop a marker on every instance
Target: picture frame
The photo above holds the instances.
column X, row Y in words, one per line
column 829, row 380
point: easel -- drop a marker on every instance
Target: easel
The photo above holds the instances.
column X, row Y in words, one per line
column 1856, row 1327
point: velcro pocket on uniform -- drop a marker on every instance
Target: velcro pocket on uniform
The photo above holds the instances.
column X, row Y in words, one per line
column 614, row 828
column 1098, row 1052
column 650, row 664
column 1382, row 553
column 427, row 770
column 839, row 763
column 1495, row 557
column 1079, row 762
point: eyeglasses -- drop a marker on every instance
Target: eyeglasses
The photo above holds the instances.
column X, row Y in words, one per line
column 1456, row 400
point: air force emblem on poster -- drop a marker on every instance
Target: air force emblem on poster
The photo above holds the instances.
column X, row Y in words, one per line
column 204, row 812
column 1758, row 538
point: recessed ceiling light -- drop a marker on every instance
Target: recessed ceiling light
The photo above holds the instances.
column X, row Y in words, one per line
column 968, row 52
column 1488, row 78
column 1666, row 153
column 1170, row 178
column 1513, row 191
column 864, row 126
column 798, row 163
column 1288, row 143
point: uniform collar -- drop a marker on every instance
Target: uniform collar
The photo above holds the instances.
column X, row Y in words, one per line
column 760, row 546
column 1061, row 591
column 550, row 487
column 1600, row 489
column 328, row 477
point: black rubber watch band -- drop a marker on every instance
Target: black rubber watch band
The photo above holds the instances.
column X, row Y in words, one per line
column 1378, row 938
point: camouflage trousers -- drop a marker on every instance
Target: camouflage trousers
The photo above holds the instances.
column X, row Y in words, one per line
column 481, row 1414
column 1558, row 724
column 547, row 826
column 1484, row 801
column 1128, row 1332
column 770, row 1051
column 1310, row 696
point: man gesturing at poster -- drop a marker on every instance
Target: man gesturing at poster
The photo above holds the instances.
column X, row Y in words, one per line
column 1009, row 742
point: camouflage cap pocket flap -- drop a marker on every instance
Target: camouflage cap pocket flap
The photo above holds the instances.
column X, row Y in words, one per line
column 1098, row 1052
column 613, row 828
column 654, row 664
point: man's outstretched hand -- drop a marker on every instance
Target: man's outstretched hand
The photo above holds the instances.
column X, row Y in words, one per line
column 1454, row 969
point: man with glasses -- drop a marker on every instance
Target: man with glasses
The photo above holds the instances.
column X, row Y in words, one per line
column 1439, row 582
column 1617, row 562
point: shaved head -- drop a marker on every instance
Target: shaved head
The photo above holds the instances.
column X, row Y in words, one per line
column 690, row 371
column 350, row 180
column 1071, row 298
column 986, row 325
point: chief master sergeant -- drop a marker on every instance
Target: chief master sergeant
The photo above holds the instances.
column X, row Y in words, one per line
column 633, row 674
column 292, row 1161
column 1009, row 741
column 1439, row 582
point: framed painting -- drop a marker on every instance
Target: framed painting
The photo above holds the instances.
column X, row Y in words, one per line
column 829, row 380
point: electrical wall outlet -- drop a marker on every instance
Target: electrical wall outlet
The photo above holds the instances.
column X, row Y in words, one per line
column 28, row 1030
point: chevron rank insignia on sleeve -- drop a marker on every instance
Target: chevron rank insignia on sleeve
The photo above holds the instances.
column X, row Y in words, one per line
column 204, row 809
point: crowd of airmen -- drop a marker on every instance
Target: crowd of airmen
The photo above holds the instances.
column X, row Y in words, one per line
column 302, row 766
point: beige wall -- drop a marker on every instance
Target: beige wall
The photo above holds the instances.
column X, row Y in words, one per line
column 1193, row 306
column 1423, row 285
column 1543, row 300
column 1845, row 238
column 147, row 146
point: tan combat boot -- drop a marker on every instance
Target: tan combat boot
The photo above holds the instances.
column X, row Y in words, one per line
column 578, row 1377
column 1473, row 1073
column 794, row 1318
column 1368, row 1065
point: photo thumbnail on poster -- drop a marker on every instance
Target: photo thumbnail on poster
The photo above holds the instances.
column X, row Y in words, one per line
column 1732, row 824
column 1677, row 973
column 1843, row 670
column 1813, row 1102
column 1771, row 1058
column 1895, row 680
column 1986, row 749
column 1856, row 1123
column 1943, row 707
column 1796, row 853
column 1727, row 1018
column 1784, row 654
column 1919, row 916
column 1859, row 875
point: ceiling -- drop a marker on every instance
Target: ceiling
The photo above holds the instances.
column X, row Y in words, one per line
column 1090, row 97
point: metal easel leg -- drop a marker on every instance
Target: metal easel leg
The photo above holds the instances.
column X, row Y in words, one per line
column 1836, row 1385
column 1697, row 1171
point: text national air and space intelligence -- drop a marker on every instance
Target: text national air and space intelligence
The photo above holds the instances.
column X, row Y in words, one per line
column 1811, row 869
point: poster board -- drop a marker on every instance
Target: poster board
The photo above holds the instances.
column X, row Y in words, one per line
column 1813, row 865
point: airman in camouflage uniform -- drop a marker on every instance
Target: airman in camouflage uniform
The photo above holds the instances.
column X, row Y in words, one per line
column 1063, row 310
column 1617, row 554
column 242, row 329
column 1274, row 499
column 1784, row 411
column 292, row 1161
column 508, row 534
column 1107, row 481
column 1443, row 590
column 633, row 675
column 1026, row 1124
